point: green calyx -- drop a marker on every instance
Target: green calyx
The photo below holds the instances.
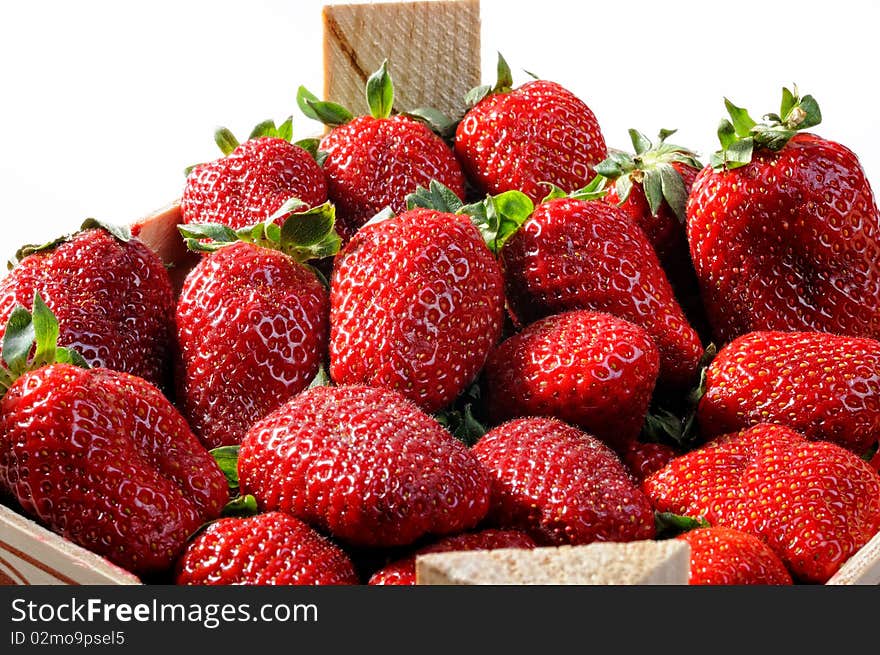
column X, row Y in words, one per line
column 670, row 525
column 379, row 93
column 118, row 232
column 742, row 135
column 652, row 167
column 503, row 84
column 227, row 459
column 595, row 190
column 31, row 342
column 304, row 235
column 461, row 420
column 497, row 217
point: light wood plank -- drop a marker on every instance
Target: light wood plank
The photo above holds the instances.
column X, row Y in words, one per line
column 863, row 568
column 433, row 50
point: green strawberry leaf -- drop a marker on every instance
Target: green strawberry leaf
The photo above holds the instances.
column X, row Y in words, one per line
column 670, row 525
column 265, row 129
column 312, row 146
column 742, row 122
column 311, row 234
column 380, row 92
column 70, row 356
column 328, row 113
column 189, row 169
column 623, row 186
column 641, row 143
column 787, row 104
column 321, row 379
column 555, row 193
column 46, row 332
column 240, row 506
column 207, row 237
column 499, row 217
column 462, row 424
column 18, row 340
column 119, row 232
column 478, row 93
column 871, row 452
column 227, row 459
column 225, row 140
column 439, row 122
column 437, row 196
column 285, row 130
column 662, row 426
column 674, row 191
column 653, row 186
column 380, row 216
column 504, row 80
column 290, row 205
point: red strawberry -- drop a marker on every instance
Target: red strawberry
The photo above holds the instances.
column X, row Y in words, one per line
column 561, row 485
column 365, row 465
column 586, row 254
column 110, row 293
column 875, row 461
column 416, row 303
column 721, row 556
column 814, row 503
column 824, row 386
column 374, row 162
column 643, row 459
column 99, row 456
column 784, row 230
column 267, row 549
column 593, row 370
column 251, row 324
column 523, row 139
column 252, row 180
column 403, row 571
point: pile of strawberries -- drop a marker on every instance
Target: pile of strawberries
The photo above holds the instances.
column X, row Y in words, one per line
column 416, row 334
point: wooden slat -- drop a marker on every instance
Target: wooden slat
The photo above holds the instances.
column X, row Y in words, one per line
column 30, row 554
column 159, row 232
column 863, row 568
column 433, row 50
column 635, row 563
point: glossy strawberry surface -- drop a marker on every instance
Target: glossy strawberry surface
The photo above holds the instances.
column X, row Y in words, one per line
column 374, row 163
column 814, row 503
column 251, row 183
column 722, row 556
column 252, row 328
column 266, row 549
column 643, row 459
column 561, row 485
column 790, row 241
column 586, row 368
column 103, row 459
column 527, row 137
column 824, row 386
column 365, row 465
column 575, row 254
column 416, row 303
column 113, row 300
column 403, row 571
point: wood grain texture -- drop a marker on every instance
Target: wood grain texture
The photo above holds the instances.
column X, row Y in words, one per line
column 433, row 50
column 863, row 568
column 634, row 563
column 31, row 554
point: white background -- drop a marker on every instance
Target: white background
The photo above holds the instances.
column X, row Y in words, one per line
column 102, row 104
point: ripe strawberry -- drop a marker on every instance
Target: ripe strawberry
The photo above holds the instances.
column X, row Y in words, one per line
column 521, row 139
column 403, row 571
column 252, row 180
column 416, row 303
column 722, row 556
column 373, row 162
column 267, row 549
column 784, row 229
column 99, row 456
column 110, row 293
column 642, row 459
column 593, row 370
column 561, row 485
column 364, row 465
column 814, row 503
column 586, row 254
column 251, row 323
column 824, row 386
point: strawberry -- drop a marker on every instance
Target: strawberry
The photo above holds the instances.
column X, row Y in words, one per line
column 267, row 549
column 824, row 386
column 99, row 456
column 416, row 303
column 593, row 370
column 561, row 485
column 784, row 229
column 642, row 459
column 722, row 556
column 110, row 293
column 814, row 503
column 522, row 139
column 253, row 179
column 586, row 254
column 251, row 322
column 373, row 162
column 403, row 571
column 365, row 465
